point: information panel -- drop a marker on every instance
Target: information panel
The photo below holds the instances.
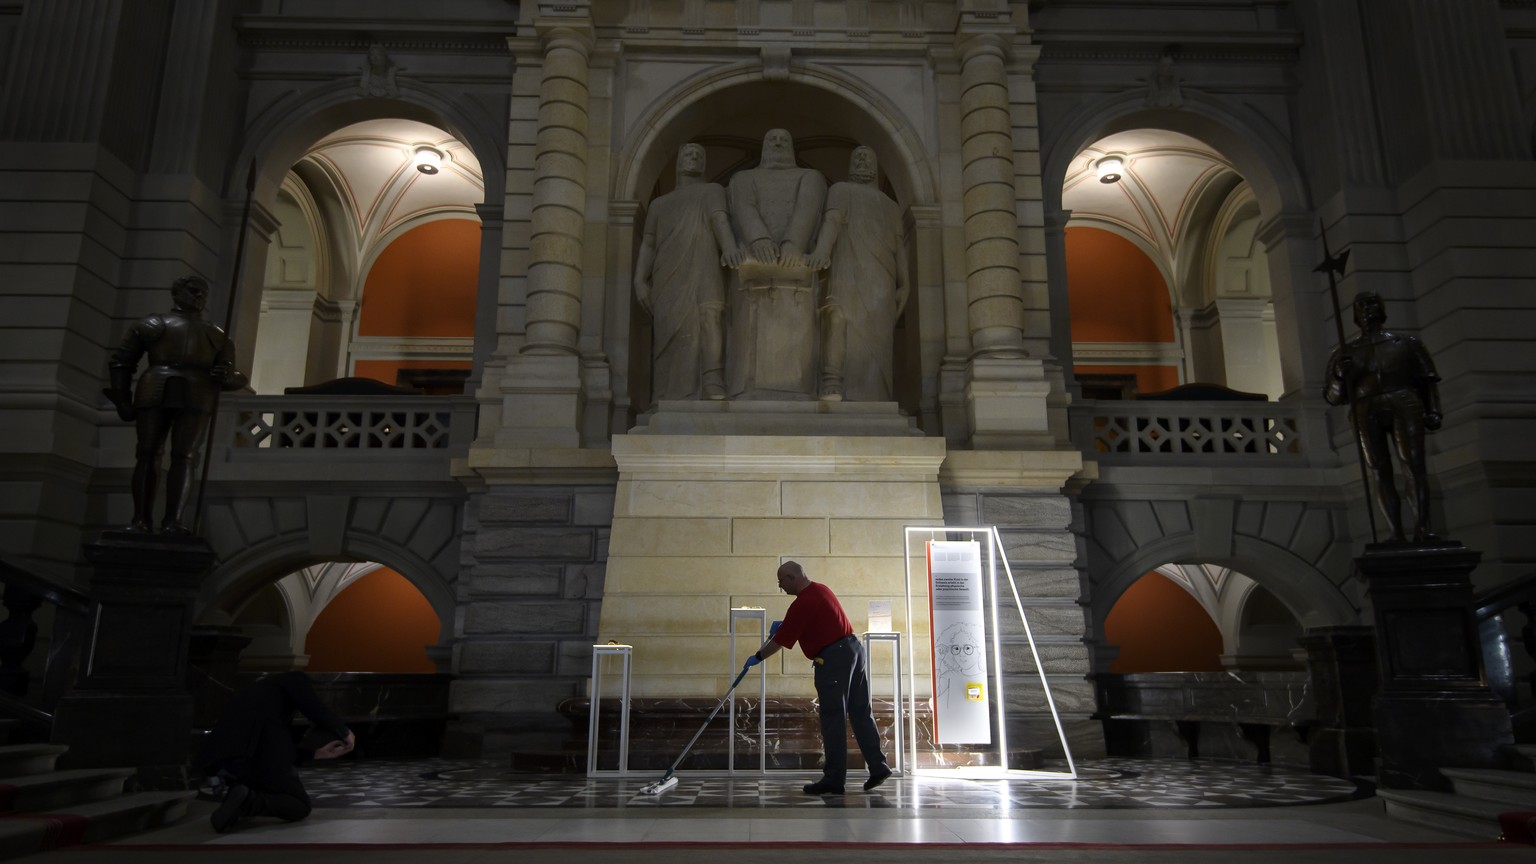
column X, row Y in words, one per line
column 956, row 596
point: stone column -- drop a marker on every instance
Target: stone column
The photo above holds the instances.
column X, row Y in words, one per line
column 996, row 303
column 1245, row 355
column 559, row 194
column 1006, row 393
column 1303, row 315
column 542, row 405
column 253, row 267
column 1056, row 273
column 487, row 288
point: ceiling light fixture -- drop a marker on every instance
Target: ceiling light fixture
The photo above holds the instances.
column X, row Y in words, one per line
column 427, row 159
column 1110, row 169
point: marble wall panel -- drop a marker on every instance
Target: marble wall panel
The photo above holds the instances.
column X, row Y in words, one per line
column 506, row 657
column 1033, row 511
column 534, row 543
column 510, row 617
column 516, row 579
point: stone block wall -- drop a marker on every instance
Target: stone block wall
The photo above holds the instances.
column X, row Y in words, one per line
column 532, row 570
column 1038, row 540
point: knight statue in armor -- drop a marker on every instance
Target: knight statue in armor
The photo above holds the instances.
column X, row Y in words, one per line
column 1390, row 384
column 189, row 361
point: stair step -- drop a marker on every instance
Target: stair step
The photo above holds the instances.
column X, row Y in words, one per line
column 57, row 789
column 1521, row 756
column 1470, row 817
column 19, row 760
column 94, row 822
column 1514, row 788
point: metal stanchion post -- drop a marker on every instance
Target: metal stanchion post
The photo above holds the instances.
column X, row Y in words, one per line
column 598, row 653
column 898, row 768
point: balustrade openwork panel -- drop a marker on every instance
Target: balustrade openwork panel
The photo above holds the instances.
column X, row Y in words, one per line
column 1189, row 429
column 348, row 428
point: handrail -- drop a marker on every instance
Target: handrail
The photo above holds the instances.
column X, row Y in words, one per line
column 26, row 589
column 1498, row 660
column 1495, row 601
column 16, row 572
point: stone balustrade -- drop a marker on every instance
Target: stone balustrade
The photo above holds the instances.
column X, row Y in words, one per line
column 345, row 427
column 1160, row 433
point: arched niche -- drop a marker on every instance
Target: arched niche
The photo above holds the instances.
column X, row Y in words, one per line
column 729, row 113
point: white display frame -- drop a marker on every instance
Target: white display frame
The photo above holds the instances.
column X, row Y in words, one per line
column 994, row 554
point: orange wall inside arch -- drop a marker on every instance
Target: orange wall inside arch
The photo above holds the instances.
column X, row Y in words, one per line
column 1118, row 295
column 379, row 623
column 1115, row 290
column 424, row 283
column 1160, row 628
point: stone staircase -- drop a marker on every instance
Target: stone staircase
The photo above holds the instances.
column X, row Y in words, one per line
column 1479, row 796
column 42, row 807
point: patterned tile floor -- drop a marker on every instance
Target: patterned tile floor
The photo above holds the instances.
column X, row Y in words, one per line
column 1112, row 784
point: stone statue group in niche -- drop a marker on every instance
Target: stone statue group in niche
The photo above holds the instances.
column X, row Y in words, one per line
column 730, row 278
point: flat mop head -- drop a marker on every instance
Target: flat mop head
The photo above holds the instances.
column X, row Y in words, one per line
column 659, row 786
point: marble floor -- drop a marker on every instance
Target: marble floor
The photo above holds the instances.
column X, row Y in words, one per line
column 451, row 812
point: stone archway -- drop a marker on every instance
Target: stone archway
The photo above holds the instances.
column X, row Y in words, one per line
column 279, row 137
column 265, row 545
column 1287, row 551
column 1256, row 149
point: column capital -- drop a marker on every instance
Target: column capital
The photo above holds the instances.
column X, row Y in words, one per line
column 572, row 34
column 972, row 42
column 491, row 215
column 1286, row 226
column 1056, row 220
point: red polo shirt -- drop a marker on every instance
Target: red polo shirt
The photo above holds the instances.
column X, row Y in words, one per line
column 815, row 620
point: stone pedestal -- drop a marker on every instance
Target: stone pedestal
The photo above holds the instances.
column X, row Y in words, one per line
column 1433, row 709
column 713, row 496
column 131, row 706
column 1341, row 662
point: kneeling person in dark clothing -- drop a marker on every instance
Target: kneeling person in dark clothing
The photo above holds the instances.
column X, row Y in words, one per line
column 252, row 746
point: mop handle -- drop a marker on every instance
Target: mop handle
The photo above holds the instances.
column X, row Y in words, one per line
column 711, row 717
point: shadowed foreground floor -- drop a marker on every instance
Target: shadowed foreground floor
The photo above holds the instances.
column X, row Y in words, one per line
column 1174, row 811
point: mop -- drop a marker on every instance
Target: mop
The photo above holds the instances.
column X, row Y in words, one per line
column 667, row 781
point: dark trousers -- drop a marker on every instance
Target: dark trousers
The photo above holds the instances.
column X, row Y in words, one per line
column 842, row 689
column 272, row 778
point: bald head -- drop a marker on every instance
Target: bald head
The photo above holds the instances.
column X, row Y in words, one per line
column 792, row 578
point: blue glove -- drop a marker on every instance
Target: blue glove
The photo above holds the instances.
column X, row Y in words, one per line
column 752, row 661
column 774, row 627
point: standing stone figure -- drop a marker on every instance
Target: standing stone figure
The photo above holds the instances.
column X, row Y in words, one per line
column 188, row 358
column 679, row 281
column 866, row 287
column 774, row 208
column 1389, row 382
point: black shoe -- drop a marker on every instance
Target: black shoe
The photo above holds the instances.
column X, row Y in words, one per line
column 877, row 775
column 823, row 787
column 231, row 810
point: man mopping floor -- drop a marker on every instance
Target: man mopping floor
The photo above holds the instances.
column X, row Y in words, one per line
column 816, row 620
